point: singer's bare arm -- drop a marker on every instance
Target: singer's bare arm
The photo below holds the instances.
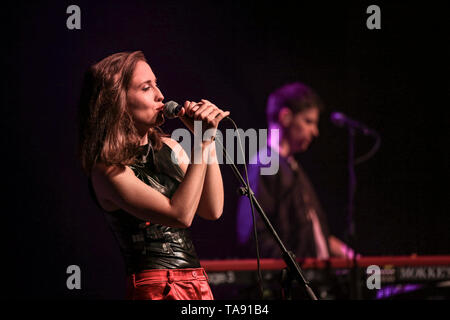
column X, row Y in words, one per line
column 120, row 188
column 211, row 202
column 212, row 197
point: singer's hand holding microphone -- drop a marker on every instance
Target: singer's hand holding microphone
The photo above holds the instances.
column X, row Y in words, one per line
column 204, row 111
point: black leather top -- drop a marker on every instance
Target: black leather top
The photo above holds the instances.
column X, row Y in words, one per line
column 143, row 244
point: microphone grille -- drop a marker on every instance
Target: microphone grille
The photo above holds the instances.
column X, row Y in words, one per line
column 337, row 118
column 170, row 109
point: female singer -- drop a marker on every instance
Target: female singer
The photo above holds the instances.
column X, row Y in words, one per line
column 149, row 200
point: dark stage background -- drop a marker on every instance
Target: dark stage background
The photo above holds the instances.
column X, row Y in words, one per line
column 395, row 80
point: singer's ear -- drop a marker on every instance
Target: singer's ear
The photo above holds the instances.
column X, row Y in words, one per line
column 285, row 117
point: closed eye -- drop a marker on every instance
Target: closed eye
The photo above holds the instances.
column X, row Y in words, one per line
column 155, row 86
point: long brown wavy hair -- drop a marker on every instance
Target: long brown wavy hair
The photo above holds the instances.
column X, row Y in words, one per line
column 107, row 133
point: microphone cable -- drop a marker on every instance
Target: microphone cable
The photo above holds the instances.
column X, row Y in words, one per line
column 250, row 194
column 371, row 152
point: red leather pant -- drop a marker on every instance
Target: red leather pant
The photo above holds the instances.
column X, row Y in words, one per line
column 169, row 284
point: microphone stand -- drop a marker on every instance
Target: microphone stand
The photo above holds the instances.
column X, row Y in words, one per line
column 355, row 280
column 288, row 256
column 355, row 288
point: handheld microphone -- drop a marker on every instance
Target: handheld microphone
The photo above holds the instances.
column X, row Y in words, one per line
column 340, row 120
column 171, row 109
